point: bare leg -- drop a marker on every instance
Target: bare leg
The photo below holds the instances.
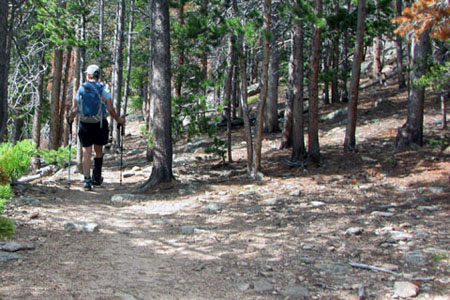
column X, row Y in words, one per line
column 87, row 151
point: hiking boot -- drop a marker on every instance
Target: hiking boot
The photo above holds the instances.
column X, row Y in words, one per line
column 87, row 184
column 97, row 178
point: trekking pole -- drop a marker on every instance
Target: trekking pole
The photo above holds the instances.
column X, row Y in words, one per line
column 122, row 133
column 70, row 153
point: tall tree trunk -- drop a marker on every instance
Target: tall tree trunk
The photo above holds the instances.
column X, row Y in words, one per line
column 4, row 67
column 335, row 67
column 101, row 34
column 54, row 138
column 350, row 132
column 399, row 48
column 271, row 113
column 296, row 73
column 38, row 102
column 64, row 101
column 439, row 57
column 376, row 71
column 227, row 94
column 244, row 95
column 129, row 54
column 180, row 56
column 161, row 88
column 313, row 128
column 118, row 67
column 345, row 63
column 412, row 131
column 264, row 87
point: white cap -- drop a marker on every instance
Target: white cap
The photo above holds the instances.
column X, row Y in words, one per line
column 92, row 69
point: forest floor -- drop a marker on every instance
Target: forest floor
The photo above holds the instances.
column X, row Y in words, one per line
column 216, row 234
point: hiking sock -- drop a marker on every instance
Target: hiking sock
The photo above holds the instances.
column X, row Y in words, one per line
column 87, row 184
column 97, row 178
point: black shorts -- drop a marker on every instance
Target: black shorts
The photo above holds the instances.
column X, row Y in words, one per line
column 91, row 133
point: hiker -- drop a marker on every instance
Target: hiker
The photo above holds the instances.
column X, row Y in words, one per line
column 91, row 103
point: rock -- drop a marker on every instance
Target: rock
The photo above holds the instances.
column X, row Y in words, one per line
column 295, row 292
column 383, row 102
column 274, row 201
column 400, row 236
column 368, row 159
column 428, row 208
column 5, row 256
column 446, row 151
column 335, row 115
column 81, row 226
column 243, row 287
column 125, row 296
column 354, row 231
column 317, row 203
column 187, row 229
column 15, row 246
column 262, row 286
column 128, row 174
column 119, row 198
column 436, row 189
column 29, row 178
column 405, row 289
column 416, row 257
column 26, row 201
column 212, row 208
column 382, row 214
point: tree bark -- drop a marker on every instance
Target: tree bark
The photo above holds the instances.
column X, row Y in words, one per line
column 64, row 101
column 38, row 102
column 296, row 73
column 129, row 55
column 271, row 114
column 439, row 57
column 313, row 129
column 160, row 92
column 264, row 88
column 227, row 94
column 54, row 138
column 412, row 131
column 180, row 56
column 345, row 63
column 118, row 67
column 4, row 67
column 350, row 133
column 376, row 72
column 399, row 49
column 241, row 49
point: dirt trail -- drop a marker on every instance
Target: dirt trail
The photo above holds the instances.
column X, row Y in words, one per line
column 216, row 234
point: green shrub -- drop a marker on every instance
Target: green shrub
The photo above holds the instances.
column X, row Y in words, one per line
column 58, row 157
column 6, row 228
column 15, row 159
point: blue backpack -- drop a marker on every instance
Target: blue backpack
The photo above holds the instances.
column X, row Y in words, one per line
column 91, row 108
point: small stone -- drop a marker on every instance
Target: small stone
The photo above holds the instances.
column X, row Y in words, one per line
column 187, row 229
column 27, row 201
column 5, row 256
column 295, row 292
column 124, row 296
column 382, row 214
column 390, row 267
column 119, row 198
column 436, row 189
column 81, row 226
column 417, row 258
column 15, row 246
column 273, row 201
column 405, row 289
column 212, row 208
column 262, row 286
column 400, row 236
column 354, row 231
column 243, row 287
column 128, row 174
column 317, row 203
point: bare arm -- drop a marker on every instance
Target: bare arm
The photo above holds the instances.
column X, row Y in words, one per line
column 113, row 113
